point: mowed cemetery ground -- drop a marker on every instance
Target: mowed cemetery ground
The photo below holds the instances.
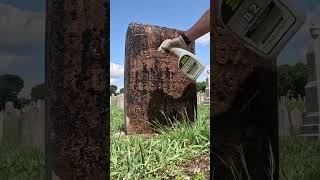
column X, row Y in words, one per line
column 183, row 152
column 176, row 153
column 180, row 152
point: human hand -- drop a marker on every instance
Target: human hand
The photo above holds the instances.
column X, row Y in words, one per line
column 172, row 43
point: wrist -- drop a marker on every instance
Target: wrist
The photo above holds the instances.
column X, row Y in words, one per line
column 185, row 38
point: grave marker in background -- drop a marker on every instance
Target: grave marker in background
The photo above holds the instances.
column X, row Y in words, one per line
column 311, row 123
column 1, row 125
column 153, row 82
column 296, row 117
column 284, row 120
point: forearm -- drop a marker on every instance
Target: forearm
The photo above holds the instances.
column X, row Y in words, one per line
column 200, row 28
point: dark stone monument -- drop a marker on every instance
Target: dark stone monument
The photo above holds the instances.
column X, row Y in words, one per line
column 77, row 124
column 154, row 86
column 310, row 124
column 244, row 108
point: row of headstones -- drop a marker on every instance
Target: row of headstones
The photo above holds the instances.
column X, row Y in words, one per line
column 284, row 99
column 202, row 98
column 117, row 100
column 289, row 121
column 23, row 127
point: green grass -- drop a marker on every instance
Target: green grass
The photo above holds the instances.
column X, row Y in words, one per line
column 292, row 105
column 299, row 158
column 161, row 157
column 17, row 163
column 170, row 155
column 21, row 163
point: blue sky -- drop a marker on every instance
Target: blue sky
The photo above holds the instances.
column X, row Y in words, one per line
column 295, row 50
column 22, row 32
column 179, row 14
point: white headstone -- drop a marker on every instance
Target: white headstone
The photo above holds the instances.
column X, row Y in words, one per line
column 1, row 126
column 9, row 106
column 317, row 61
column 120, row 101
column 284, row 121
column 296, row 118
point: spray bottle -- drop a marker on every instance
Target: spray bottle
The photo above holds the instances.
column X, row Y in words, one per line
column 188, row 63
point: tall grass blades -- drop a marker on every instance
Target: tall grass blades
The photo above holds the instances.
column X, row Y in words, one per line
column 165, row 156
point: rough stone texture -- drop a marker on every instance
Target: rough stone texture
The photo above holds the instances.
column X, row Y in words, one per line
column 32, row 126
column 11, row 123
column 1, row 125
column 153, row 82
column 244, row 106
column 296, row 118
column 310, row 125
column 77, row 124
column 284, row 120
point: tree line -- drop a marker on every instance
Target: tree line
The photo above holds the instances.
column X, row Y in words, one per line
column 10, row 87
column 291, row 78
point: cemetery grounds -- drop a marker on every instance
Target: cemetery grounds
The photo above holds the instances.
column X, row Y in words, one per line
column 176, row 153
column 183, row 152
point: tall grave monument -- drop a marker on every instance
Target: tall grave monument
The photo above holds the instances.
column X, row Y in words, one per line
column 310, row 125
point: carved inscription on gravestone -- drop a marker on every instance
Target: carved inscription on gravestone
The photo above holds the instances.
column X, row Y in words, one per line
column 154, row 86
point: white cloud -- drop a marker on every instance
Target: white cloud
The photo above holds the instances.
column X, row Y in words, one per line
column 116, row 70
column 10, row 60
column 21, row 28
column 113, row 80
column 204, row 40
column 28, row 84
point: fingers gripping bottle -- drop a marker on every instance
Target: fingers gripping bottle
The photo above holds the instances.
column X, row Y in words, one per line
column 188, row 63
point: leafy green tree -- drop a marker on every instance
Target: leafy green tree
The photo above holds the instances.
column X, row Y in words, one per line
column 113, row 89
column 10, row 87
column 122, row 90
column 292, row 77
column 38, row 92
column 201, row 86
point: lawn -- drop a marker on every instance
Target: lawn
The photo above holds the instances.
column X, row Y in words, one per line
column 299, row 158
column 176, row 153
column 21, row 163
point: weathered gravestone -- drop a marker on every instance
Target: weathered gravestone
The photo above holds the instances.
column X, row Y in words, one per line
column 296, row 118
column 284, row 120
column 311, row 123
column 32, row 125
column 1, row 125
column 120, row 101
column 11, row 124
column 154, row 86
column 207, row 98
column 244, row 108
column 77, row 121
